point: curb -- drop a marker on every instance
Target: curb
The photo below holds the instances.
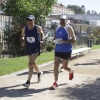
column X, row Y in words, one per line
column 42, row 65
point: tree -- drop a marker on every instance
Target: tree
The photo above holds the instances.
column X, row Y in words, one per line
column 18, row 10
column 95, row 12
column 92, row 12
column 22, row 8
column 77, row 9
column 95, row 36
column 88, row 12
column 83, row 9
column 69, row 6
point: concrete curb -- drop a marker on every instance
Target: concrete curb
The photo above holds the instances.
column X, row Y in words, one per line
column 42, row 65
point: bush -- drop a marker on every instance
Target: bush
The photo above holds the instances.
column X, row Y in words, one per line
column 12, row 36
column 49, row 48
column 95, row 36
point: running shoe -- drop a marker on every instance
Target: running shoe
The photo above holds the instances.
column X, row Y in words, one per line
column 71, row 75
column 62, row 69
column 54, row 86
column 39, row 76
column 27, row 84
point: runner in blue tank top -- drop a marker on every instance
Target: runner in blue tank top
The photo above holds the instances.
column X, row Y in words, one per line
column 62, row 34
column 64, row 37
column 30, row 38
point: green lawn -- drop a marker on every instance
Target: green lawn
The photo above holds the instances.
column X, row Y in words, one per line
column 95, row 47
column 10, row 65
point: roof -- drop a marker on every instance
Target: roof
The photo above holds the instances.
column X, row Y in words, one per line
column 60, row 5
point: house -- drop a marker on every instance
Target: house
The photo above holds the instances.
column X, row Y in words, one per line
column 59, row 9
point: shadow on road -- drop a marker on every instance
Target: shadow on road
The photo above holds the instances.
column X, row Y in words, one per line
column 21, row 92
column 89, row 91
column 44, row 72
column 95, row 62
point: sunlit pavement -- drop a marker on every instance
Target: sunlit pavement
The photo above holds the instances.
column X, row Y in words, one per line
column 84, row 86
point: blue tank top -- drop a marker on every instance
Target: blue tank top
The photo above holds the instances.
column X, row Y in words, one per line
column 62, row 34
column 32, row 38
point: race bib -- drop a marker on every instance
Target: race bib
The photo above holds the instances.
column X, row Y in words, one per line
column 30, row 39
column 58, row 41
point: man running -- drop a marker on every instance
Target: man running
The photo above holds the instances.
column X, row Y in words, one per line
column 64, row 37
column 30, row 37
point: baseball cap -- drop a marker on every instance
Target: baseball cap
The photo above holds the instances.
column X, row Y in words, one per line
column 30, row 17
column 63, row 17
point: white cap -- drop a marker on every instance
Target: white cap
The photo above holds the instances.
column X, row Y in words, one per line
column 63, row 17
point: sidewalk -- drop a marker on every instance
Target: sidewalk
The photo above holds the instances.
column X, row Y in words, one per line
column 84, row 86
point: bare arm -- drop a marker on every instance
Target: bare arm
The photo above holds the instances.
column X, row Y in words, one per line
column 23, row 32
column 72, row 37
column 40, row 31
column 22, row 37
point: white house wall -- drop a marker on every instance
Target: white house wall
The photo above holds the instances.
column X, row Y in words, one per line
column 85, row 16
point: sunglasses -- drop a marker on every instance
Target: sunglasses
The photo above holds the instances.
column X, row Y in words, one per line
column 28, row 19
column 62, row 19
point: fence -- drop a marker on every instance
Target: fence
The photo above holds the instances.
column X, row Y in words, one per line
column 10, row 29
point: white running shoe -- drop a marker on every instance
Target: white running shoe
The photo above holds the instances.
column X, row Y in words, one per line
column 39, row 76
column 61, row 69
column 27, row 84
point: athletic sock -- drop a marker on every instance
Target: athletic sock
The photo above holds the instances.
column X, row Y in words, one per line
column 28, row 81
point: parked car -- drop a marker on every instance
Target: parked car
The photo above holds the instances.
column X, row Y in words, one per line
column 84, row 34
column 49, row 36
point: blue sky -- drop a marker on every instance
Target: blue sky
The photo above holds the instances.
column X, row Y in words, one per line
column 89, row 4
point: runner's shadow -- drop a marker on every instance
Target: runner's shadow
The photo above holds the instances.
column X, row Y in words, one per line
column 44, row 72
column 12, row 92
column 84, row 64
column 63, row 84
column 21, row 92
column 95, row 62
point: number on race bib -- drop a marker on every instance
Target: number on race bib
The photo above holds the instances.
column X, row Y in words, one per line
column 58, row 41
column 30, row 39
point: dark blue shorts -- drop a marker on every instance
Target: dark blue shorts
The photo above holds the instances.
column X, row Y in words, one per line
column 30, row 51
column 63, row 55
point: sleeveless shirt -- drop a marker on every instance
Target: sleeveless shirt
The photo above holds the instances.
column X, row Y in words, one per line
column 62, row 34
column 32, row 38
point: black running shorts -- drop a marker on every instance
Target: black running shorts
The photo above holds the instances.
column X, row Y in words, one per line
column 63, row 55
column 30, row 51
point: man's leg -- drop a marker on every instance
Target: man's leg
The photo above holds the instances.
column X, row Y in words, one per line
column 35, row 66
column 32, row 64
column 65, row 66
column 39, row 74
column 56, row 66
column 62, row 69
